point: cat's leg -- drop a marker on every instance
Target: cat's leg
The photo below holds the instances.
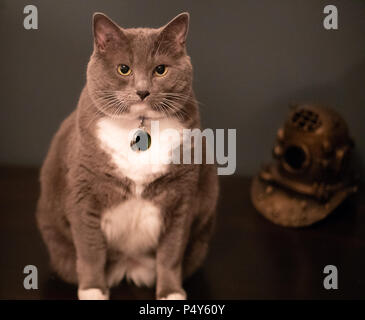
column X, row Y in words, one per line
column 197, row 248
column 170, row 254
column 91, row 255
column 202, row 228
column 62, row 253
column 59, row 246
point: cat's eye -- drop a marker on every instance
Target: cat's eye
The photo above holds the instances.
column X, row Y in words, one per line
column 160, row 70
column 124, row 70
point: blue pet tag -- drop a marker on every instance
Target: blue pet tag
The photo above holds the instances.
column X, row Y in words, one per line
column 141, row 140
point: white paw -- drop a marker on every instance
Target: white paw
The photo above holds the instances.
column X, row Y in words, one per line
column 174, row 296
column 92, row 294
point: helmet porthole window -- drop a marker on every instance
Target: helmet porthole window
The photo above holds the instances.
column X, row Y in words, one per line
column 295, row 158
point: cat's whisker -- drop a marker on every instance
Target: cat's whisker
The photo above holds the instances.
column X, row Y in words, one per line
column 179, row 108
column 176, row 105
column 173, row 108
column 121, row 108
column 179, row 96
column 171, row 103
column 165, row 111
column 160, row 109
column 94, row 117
column 188, row 98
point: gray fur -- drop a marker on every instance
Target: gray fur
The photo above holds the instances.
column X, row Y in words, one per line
column 79, row 180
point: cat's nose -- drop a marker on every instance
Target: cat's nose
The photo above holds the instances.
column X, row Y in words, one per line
column 143, row 94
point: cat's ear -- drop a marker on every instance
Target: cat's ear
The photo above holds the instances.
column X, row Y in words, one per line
column 106, row 32
column 176, row 30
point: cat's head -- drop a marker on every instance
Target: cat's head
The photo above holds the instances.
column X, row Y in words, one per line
column 140, row 72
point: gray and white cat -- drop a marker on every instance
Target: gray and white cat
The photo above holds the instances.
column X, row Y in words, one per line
column 105, row 217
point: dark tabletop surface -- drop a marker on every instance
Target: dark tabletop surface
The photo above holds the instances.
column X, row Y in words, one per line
column 250, row 258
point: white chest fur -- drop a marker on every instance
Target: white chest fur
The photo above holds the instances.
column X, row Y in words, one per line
column 132, row 227
column 115, row 136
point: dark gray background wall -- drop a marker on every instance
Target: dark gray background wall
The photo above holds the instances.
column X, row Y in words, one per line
column 251, row 59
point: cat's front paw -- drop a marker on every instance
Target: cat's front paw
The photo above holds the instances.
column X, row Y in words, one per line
column 92, row 294
column 174, row 296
